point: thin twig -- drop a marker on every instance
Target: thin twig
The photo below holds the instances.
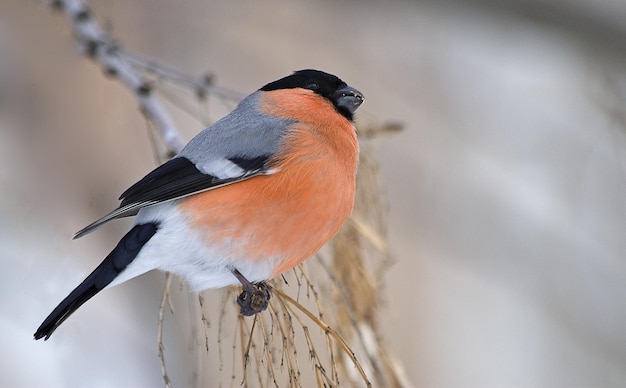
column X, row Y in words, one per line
column 203, row 84
column 267, row 352
column 372, row 236
column 205, row 322
column 353, row 320
column 388, row 128
column 329, row 330
column 99, row 46
column 164, row 299
column 244, row 355
column 331, row 352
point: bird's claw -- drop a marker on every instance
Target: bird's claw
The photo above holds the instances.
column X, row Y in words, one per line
column 254, row 300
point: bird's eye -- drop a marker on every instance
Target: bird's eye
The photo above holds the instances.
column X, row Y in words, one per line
column 312, row 86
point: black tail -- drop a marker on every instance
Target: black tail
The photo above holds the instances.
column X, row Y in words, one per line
column 125, row 251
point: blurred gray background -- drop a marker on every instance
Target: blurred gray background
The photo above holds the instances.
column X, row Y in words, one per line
column 507, row 189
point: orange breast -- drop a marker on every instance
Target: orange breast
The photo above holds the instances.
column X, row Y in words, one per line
column 290, row 215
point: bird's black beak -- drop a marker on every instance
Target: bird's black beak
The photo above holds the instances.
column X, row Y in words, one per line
column 349, row 98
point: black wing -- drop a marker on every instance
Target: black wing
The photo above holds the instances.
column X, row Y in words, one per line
column 177, row 178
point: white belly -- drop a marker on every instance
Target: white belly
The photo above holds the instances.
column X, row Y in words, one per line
column 178, row 249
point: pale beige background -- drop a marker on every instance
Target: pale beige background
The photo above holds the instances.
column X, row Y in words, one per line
column 507, row 189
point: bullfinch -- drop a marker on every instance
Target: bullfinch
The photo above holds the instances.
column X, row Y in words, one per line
column 248, row 198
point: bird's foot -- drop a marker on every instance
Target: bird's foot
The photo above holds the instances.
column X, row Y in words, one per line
column 254, row 298
column 254, row 301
